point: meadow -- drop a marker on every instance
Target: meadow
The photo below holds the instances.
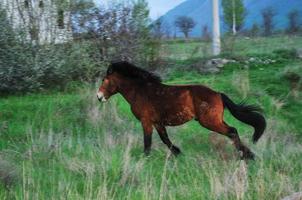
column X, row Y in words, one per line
column 67, row 145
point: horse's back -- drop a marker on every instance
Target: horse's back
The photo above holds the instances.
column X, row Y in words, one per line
column 195, row 92
column 204, row 94
column 177, row 104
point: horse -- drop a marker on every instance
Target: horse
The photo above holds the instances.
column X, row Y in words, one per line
column 157, row 105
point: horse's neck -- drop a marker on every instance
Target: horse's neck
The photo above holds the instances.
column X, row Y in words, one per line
column 131, row 90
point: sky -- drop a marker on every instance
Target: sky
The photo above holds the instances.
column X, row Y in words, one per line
column 160, row 7
column 157, row 7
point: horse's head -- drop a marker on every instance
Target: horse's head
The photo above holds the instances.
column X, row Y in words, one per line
column 109, row 86
column 119, row 72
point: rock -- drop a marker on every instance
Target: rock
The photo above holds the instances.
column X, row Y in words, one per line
column 213, row 65
column 246, row 67
column 295, row 196
column 252, row 59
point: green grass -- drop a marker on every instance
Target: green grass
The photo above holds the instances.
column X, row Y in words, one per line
column 60, row 145
column 182, row 50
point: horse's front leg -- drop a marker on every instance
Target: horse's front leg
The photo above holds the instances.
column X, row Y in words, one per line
column 165, row 138
column 148, row 129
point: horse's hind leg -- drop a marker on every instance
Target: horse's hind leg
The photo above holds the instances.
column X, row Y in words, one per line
column 165, row 138
column 233, row 135
column 230, row 132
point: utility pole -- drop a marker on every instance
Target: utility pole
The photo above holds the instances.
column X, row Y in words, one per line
column 234, row 17
column 216, row 28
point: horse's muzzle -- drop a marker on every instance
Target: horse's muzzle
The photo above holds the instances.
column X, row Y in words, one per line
column 101, row 97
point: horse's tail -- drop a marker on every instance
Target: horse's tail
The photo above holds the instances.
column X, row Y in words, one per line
column 248, row 114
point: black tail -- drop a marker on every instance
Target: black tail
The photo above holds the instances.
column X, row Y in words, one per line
column 247, row 114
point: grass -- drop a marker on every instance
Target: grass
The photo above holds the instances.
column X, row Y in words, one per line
column 182, row 50
column 66, row 145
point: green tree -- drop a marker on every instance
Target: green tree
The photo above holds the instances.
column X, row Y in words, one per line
column 146, row 46
column 185, row 25
column 140, row 18
column 293, row 22
column 74, row 5
column 255, row 30
column 268, row 15
column 234, row 13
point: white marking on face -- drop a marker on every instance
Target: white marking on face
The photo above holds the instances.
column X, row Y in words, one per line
column 101, row 96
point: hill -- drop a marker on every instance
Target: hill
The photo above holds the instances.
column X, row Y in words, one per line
column 201, row 12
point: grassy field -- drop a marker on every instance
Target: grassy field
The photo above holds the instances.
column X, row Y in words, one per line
column 182, row 50
column 66, row 145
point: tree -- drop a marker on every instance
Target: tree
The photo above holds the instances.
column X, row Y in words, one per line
column 122, row 31
column 185, row 24
column 140, row 18
column 293, row 21
column 161, row 29
column 79, row 9
column 216, row 28
column 78, row 6
column 234, row 14
column 140, row 25
column 205, row 33
column 268, row 18
column 254, row 30
column 157, row 29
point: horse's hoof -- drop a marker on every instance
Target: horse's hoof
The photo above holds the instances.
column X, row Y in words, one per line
column 175, row 150
column 147, row 152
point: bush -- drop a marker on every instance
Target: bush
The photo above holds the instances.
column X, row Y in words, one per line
column 60, row 64
column 25, row 67
column 16, row 71
column 293, row 73
column 286, row 53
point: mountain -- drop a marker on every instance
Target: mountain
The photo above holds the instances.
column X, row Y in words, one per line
column 201, row 12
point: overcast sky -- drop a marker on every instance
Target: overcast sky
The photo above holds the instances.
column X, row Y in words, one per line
column 157, row 7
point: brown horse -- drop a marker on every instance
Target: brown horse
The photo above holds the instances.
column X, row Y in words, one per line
column 158, row 105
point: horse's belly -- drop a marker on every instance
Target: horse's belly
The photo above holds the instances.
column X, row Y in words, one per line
column 175, row 106
column 178, row 117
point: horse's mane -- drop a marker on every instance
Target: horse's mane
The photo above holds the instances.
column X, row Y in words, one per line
column 131, row 71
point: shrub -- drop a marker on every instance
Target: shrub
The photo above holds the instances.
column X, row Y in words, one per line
column 16, row 71
column 293, row 74
column 286, row 53
column 25, row 67
column 60, row 64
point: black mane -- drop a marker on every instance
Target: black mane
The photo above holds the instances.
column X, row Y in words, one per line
column 131, row 71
